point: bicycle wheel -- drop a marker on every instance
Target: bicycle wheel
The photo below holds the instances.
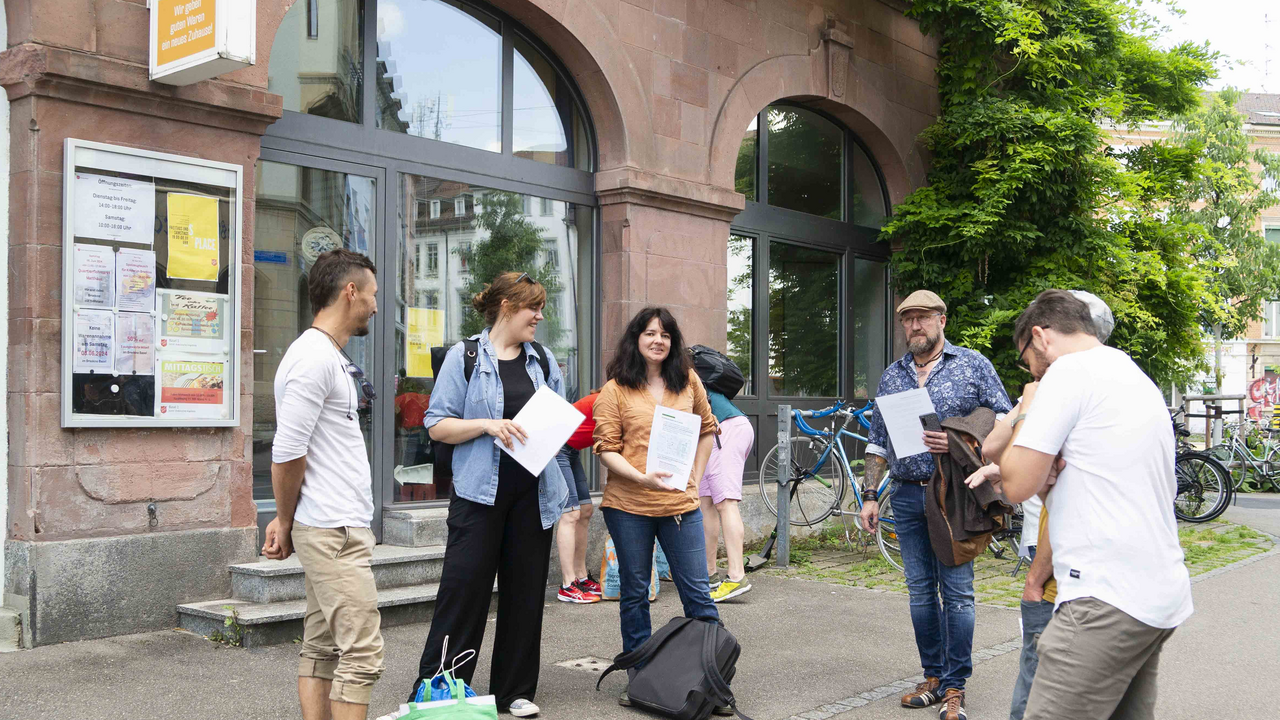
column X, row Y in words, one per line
column 1203, row 490
column 887, row 535
column 814, row 496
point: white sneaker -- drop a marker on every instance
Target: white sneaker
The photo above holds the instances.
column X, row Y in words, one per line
column 523, row 708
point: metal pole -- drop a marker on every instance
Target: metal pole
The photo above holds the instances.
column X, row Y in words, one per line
column 784, row 490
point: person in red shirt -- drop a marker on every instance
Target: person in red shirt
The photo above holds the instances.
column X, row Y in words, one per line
column 577, row 585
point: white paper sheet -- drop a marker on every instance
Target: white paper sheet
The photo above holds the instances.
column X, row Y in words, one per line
column 95, row 271
column 548, row 421
column 113, row 208
column 901, row 413
column 94, row 339
column 136, row 280
column 135, row 343
column 673, row 444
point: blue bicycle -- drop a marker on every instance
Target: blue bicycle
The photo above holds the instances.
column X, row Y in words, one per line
column 817, row 485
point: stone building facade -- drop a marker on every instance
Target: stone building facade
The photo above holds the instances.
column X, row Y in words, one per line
column 109, row 530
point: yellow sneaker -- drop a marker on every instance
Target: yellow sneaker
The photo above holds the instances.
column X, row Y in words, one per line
column 730, row 589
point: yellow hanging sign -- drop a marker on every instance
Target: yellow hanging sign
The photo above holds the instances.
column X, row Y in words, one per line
column 193, row 237
column 426, row 330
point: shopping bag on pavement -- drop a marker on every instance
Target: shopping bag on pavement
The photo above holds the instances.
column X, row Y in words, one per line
column 610, row 585
column 458, row 706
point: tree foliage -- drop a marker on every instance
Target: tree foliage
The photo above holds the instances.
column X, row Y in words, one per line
column 1023, row 192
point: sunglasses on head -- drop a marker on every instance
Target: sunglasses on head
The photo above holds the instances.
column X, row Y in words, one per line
column 525, row 276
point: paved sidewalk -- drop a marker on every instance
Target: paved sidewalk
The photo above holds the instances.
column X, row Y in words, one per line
column 810, row 649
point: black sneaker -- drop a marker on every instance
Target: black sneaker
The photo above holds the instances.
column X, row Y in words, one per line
column 624, row 699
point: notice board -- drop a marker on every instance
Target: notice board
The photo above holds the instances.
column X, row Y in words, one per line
column 151, row 289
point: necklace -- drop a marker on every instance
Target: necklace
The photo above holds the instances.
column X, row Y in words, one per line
column 913, row 360
column 334, row 340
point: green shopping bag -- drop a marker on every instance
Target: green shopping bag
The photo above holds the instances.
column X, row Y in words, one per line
column 459, row 707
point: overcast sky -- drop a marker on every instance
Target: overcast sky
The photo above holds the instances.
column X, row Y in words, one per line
column 1247, row 30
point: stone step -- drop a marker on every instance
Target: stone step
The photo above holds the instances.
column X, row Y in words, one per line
column 419, row 527
column 10, row 630
column 278, row 623
column 272, row 581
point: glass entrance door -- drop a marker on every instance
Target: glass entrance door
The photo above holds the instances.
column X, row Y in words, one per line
column 300, row 212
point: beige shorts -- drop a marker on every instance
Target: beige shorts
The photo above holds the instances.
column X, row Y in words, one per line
column 341, row 636
column 1096, row 662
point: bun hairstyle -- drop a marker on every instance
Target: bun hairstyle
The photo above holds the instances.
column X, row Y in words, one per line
column 518, row 289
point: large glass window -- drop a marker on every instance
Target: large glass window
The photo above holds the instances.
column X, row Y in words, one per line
column 299, row 213
column 546, row 122
column 448, row 87
column 869, row 325
column 316, row 59
column 744, row 180
column 804, row 161
column 804, row 321
column 475, row 246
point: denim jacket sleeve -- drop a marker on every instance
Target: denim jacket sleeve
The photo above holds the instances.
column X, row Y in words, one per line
column 449, row 396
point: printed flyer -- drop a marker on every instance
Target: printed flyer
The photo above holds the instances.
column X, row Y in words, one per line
column 426, row 330
column 93, row 341
column 135, row 343
column 94, row 283
column 136, row 280
column 191, row 389
column 192, row 321
column 193, row 237
column 112, row 208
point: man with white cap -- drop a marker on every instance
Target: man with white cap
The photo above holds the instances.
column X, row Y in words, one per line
column 958, row 381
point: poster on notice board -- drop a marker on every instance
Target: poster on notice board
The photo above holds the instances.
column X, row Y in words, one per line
column 191, row 388
column 193, row 237
column 192, row 321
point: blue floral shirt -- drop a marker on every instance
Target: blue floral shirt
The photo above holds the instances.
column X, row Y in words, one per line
column 960, row 383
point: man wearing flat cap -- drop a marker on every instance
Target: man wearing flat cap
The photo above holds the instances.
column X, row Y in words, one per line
column 958, row 381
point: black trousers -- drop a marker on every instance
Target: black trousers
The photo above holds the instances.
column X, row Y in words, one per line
column 506, row 541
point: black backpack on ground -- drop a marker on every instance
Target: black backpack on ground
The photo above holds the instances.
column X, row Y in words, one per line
column 687, row 666
column 717, row 371
column 442, row 466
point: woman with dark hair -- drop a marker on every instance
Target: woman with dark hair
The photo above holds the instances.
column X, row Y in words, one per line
column 500, row 514
column 651, row 368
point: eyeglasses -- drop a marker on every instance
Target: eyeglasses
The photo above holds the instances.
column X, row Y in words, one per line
column 918, row 319
column 1023, row 351
column 366, row 387
column 525, row 276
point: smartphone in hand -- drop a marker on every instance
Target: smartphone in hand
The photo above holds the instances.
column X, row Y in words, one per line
column 930, row 423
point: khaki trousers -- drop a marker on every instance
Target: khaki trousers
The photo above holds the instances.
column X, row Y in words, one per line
column 341, row 636
column 1096, row 662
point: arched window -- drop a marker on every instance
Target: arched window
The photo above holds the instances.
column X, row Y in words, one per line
column 456, row 146
column 808, row 289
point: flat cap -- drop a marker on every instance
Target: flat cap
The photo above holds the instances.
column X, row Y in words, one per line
column 922, row 300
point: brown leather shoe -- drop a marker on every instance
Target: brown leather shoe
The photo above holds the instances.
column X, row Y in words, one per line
column 952, row 706
column 925, row 694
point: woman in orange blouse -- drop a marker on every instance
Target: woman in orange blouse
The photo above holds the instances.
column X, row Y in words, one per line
column 650, row 367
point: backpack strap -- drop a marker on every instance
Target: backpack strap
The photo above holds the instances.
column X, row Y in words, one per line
column 471, row 349
column 723, row 693
column 645, row 652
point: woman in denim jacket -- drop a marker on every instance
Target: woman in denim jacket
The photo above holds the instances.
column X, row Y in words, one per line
column 500, row 515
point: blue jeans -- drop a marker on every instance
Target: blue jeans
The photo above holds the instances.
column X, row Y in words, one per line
column 944, row 632
column 684, row 545
column 1035, row 617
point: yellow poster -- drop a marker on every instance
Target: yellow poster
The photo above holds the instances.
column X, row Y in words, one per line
column 193, row 237
column 426, row 330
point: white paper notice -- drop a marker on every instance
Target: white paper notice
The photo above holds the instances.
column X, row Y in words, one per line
column 136, row 280
column 673, row 444
column 548, row 421
column 135, row 343
column 95, row 276
column 112, row 208
column 94, row 340
column 901, row 413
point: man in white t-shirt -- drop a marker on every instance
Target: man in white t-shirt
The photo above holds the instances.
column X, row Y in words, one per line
column 324, row 493
column 1122, row 584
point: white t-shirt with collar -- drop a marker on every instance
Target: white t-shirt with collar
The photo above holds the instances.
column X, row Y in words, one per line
column 1111, row 522
column 316, row 403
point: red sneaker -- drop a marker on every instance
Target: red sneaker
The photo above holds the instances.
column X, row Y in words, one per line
column 590, row 585
column 574, row 594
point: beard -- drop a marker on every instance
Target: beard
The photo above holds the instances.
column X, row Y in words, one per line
column 922, row 344
column 361, row 331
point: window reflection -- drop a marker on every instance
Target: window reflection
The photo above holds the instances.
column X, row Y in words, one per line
column 316, row 59
column 444, row 260
column 805, row 162
column 542, row 108
column 298, row 213
column 804, row 317
column 741, row 289
column 870, row 331
column 744, row 180
column 440, row 63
